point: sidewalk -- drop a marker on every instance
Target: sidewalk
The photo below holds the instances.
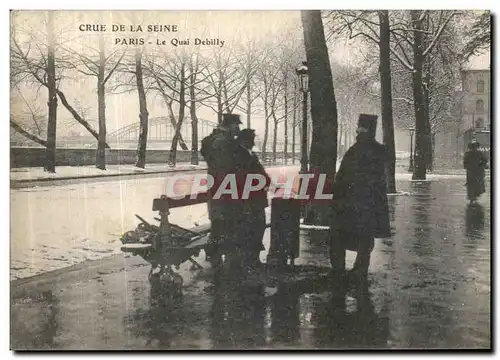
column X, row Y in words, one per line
column 25, row 175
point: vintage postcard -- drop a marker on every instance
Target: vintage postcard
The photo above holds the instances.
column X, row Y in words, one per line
column 250, row 180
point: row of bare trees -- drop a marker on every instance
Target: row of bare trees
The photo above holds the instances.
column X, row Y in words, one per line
column 255, row 78
column 420, row 56
column 415, row 76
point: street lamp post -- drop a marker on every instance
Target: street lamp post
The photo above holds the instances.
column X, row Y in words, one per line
column 411, row 129
column 302, row 73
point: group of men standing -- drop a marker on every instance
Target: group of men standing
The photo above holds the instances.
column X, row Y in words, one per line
column 237, row 225
column 359, row 208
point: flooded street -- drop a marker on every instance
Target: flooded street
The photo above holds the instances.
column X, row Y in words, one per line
column 429, row 284
column 54, row 227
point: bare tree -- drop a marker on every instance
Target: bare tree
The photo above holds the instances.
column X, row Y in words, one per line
column 172, row 77
column 30, row 63
column 27, row 119
column 403, row 31
column 269, row 81
column 250, row 57
column 386, row 97
column 193, row 70
column 50, row 162
column 182, row 108
column 226, row 83
column 354, row 85
column 164, row 82
column 102, row 68
column 143, row 111
column 323, row 156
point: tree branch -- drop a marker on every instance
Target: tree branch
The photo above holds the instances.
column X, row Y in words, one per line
column 26, row 134
column 77, row 116
column 114, row 68
column 438, row 35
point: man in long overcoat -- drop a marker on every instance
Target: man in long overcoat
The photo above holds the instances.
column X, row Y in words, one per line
column 360, row 209
column 253, row 221
column 219, row 150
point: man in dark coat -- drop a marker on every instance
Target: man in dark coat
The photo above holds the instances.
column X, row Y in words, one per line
column 360, row 209
column 218, row 150
column 253, row 221
column 475, row 163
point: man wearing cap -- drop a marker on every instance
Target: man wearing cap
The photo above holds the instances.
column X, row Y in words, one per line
column 218, row 150
column 253, row 221
column 360, row 209
column 475, row 163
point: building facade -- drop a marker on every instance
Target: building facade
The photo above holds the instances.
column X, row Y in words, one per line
column 470, row 119
column 476, row 99
column 476, row 119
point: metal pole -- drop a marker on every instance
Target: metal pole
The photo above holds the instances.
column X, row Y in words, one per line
column 411, row 152
column 304, row 160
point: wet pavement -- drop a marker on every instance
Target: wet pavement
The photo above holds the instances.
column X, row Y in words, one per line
column 429, row 288
column 53, row 227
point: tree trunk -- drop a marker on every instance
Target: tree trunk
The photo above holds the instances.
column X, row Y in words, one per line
column 50, row 153
column 419, row 168
column 294, row 120
column 323, row 155
column 275, row 136
column 340, row 148
column 266, row 130
column 143, row 112
column 226, row 98
column 77, row 116
column 433, row 146
column 194, row 118
column 386, row 99
column 429, row 153
column 100, row 160
column 249, row 103
column 26, row 134
column 173, row 122
column 285, row 145
column 220, row 109
column 182, row 104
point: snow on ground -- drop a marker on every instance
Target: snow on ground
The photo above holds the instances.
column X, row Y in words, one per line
column 20, row 174
column 55, row 227
column 59, row 226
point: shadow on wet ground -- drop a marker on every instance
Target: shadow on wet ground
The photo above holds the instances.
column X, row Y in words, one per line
column 429, row 288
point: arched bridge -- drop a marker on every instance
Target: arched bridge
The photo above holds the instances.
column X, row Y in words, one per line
column 160, row 134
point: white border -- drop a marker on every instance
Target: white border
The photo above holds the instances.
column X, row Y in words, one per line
column 183, row 5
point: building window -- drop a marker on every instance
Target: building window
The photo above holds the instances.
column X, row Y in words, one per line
column 479, row 106
column 480, row 86
column 480, row 123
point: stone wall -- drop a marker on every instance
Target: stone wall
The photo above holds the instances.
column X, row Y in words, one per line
column 34, row 157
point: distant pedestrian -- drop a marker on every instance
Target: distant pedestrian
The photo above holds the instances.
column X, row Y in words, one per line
column 475, row 163
column 360, row 210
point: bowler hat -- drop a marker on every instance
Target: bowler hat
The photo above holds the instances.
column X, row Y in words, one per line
column 367, row 123
column 228, row 119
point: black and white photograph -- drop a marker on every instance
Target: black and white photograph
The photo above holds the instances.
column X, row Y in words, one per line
column 250, row 180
